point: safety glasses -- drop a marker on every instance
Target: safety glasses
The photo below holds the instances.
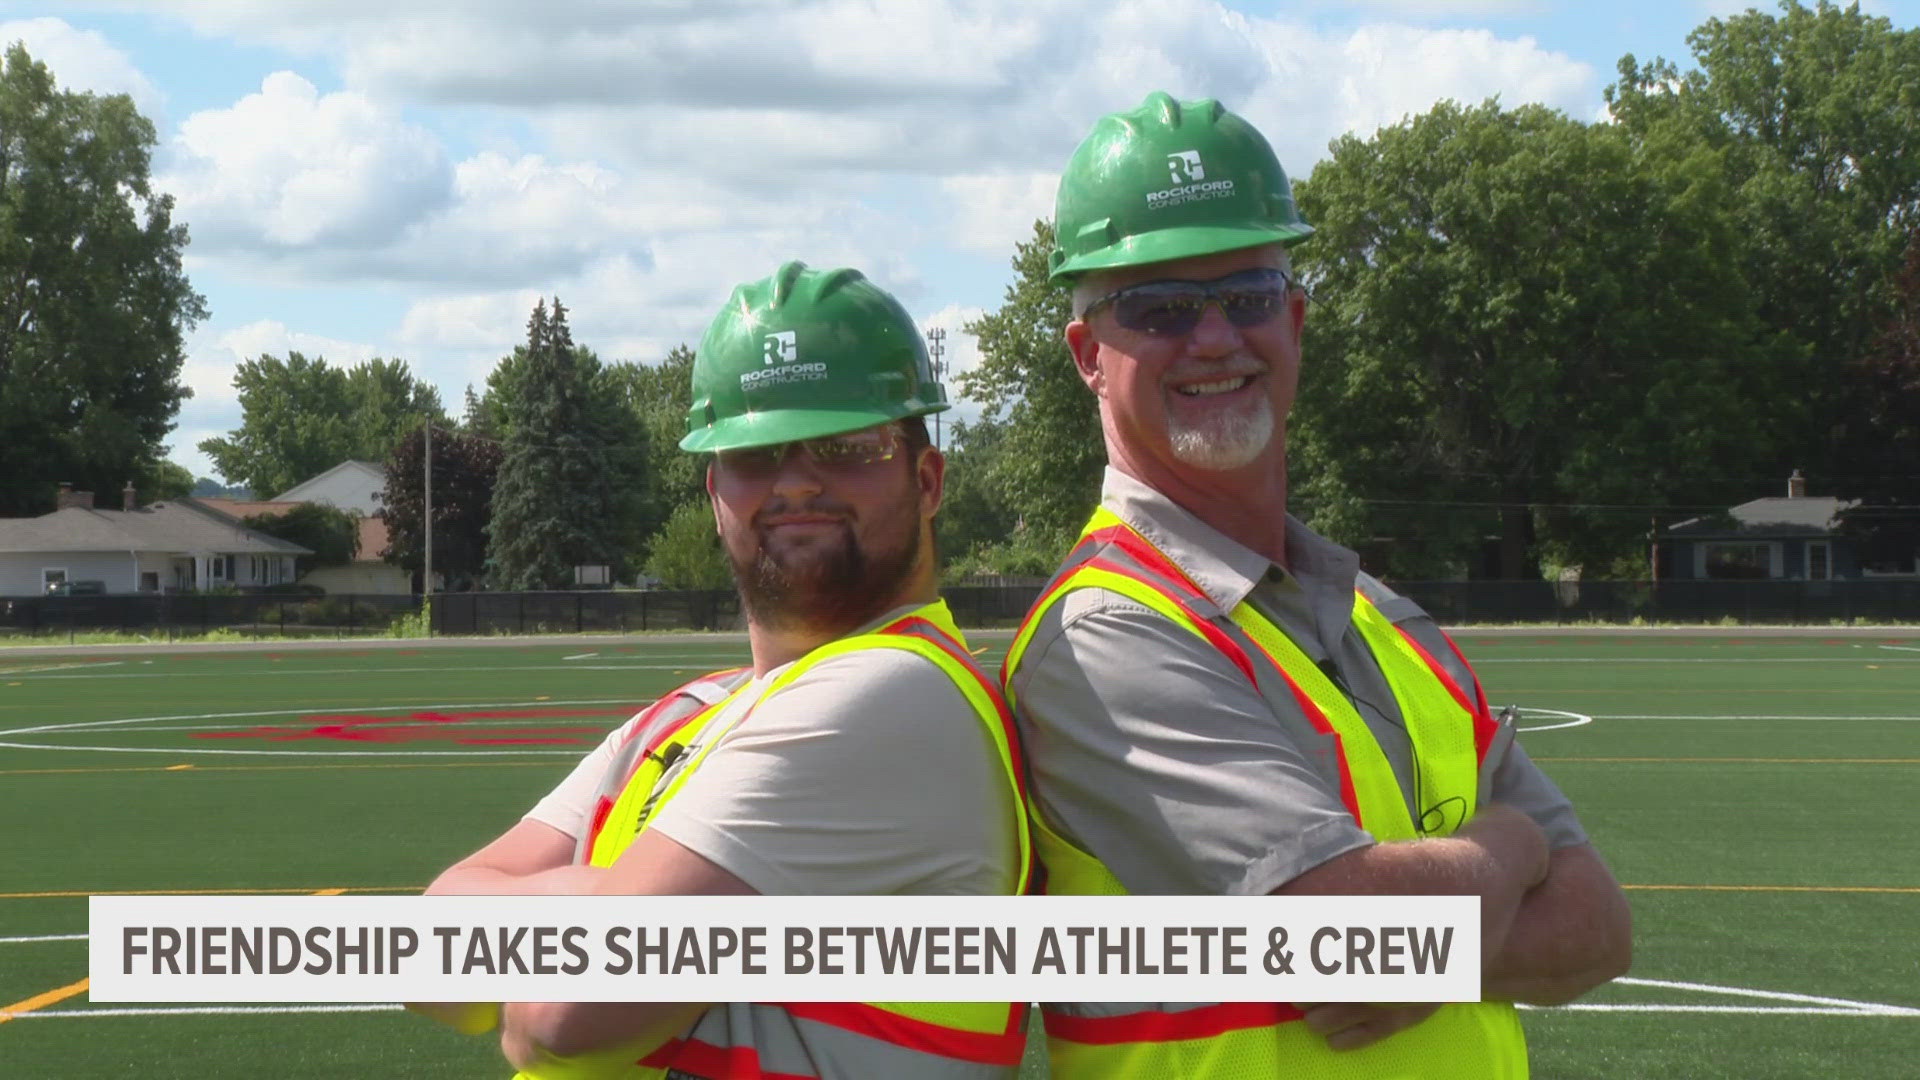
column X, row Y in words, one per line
column 848, row 453
column 1248, row 298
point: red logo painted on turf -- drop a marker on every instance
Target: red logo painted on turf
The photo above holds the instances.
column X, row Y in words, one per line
column 434, row 726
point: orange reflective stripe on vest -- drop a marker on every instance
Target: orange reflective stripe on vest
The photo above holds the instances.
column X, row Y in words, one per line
column 958, row 1040
column 1449, row 732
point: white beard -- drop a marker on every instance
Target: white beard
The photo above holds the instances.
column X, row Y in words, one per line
column 1225, row 442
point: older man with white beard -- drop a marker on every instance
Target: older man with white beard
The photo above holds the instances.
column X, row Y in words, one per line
column 1215, row 700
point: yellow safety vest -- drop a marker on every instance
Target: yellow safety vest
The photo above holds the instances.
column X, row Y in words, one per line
column 939, row 1040
column 1450, row 734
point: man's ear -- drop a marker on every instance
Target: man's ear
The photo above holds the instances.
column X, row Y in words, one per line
column 1086, row 356
column 712, row 502
column 930, row 472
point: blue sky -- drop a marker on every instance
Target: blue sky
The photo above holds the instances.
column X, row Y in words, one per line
column 369, row 178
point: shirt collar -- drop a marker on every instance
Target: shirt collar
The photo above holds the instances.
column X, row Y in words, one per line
column 1225, row 569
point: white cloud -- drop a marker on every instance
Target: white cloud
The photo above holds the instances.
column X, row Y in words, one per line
column 993, row 211
column 290, row 168
column 1461, row 8
column 1390, row 72
column 84, row 60
column 641, row 159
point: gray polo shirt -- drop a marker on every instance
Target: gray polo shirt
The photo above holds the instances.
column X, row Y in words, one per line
column 1150, row 750
column 870, row 774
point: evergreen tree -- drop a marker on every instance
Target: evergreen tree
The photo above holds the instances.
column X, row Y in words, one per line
column 571, row 483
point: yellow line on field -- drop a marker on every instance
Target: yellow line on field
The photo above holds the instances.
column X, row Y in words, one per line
column 70, row 893
column 279, row 768
column 1744, row 760
column 1779, row 888
column 41, row 1001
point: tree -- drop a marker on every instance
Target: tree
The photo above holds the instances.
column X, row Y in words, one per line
column 1885, row 521
column 166, row 481
column 659, row 396
column 1812, row 111
column 979, row 531
column 687, row 554
column 1522, row 318
column 301, row 417
column 1048, row 451
column 93, row 300
column 331, row 533
column 572, row 479
column 465, row 467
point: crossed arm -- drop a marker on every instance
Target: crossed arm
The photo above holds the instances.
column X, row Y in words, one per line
column 1554, row 924
column 534, row 859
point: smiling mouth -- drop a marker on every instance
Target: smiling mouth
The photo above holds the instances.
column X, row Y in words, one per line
column 1219, row 386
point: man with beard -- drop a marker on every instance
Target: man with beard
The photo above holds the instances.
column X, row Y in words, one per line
column 1215, row 700
column 861, row 753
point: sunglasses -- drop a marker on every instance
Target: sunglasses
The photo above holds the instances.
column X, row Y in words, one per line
column 1248, row 298
column 848, row 453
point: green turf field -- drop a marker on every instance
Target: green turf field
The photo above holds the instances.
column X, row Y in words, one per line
column 1751, row 792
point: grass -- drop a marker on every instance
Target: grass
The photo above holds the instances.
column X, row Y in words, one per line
column 1750, row 791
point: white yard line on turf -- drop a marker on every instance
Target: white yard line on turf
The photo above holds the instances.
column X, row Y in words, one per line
column 701, row 666
column 42, row 937
column 1669, row 659
column 211, row 1010
column 1801, row 1004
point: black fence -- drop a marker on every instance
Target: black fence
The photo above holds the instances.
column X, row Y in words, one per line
column 170, row 615
column 1863, row 600
column 979, row 606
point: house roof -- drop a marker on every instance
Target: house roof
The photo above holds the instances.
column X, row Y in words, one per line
column 178, row 525
column 243, row 508
column 363, row 474
column 1807, row 515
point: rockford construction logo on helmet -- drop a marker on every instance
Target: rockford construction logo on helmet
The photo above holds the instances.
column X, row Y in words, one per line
column 782, row 351
column 1191, row 183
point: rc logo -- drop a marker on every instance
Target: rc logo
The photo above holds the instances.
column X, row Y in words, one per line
column 782, row 348
column 1185, row 167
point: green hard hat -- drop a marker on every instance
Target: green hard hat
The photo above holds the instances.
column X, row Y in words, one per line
column 1169, row 180
column 806, row 353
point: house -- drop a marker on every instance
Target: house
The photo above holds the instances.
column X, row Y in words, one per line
column 1796, row 538
column 353, row 486
column 350, row 485
column 174, row 546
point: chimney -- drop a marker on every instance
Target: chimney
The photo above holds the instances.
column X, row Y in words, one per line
column 69, row 497
column 128, row 498
column 1796, row 486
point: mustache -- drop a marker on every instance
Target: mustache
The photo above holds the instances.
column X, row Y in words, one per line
column 822, row 507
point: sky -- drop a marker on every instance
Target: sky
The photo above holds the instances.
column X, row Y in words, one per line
column 368, row 178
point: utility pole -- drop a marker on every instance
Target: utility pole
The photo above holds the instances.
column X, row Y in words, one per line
column 426, row 525
column 937, row 348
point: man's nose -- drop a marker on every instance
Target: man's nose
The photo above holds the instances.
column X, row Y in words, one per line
column 798, row 473
column 1214, row 335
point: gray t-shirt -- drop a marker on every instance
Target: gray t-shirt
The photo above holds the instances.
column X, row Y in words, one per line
column 1150, row 750
column 870, row 774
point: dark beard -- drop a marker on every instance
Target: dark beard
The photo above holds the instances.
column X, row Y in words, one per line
column 830, row 595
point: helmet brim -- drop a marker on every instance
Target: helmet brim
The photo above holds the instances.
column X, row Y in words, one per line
column 1165, row 245
column 777, row 426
